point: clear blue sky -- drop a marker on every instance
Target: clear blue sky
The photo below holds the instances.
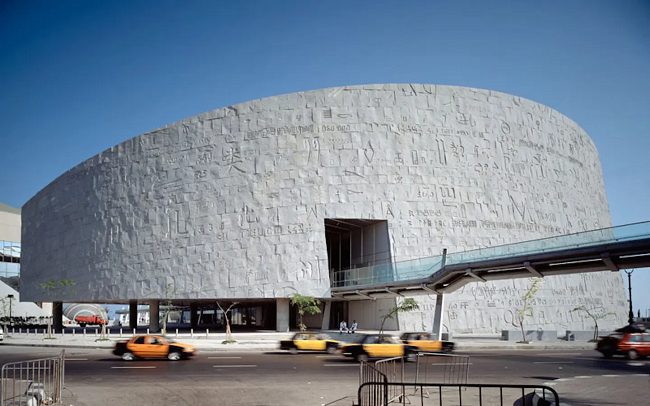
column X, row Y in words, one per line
column 77, row 77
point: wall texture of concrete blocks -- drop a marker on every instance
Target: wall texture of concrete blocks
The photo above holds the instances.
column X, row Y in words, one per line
column 231, row 203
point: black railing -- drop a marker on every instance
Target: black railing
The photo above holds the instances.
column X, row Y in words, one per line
column 456, row 394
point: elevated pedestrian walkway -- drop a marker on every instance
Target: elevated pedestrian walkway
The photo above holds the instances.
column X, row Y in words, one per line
column 606, row 249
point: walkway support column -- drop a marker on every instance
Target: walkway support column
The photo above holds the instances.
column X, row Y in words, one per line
column 282, row 314
column 437, row 316
column 194, row 315
column 133, row 314
column 325, row 325
column 57, row 316
column 154, row 316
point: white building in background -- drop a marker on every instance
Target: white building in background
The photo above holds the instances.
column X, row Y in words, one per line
column 10, row 251
column 261, row 200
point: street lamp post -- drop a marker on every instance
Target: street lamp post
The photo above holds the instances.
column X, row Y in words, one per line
column 630, row 318
column 11, row 298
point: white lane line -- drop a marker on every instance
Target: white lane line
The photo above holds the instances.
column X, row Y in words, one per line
column 76, row 359
column 582, row 377
column 133, row 367
column 553, row 362
column 341, row 365
column 235, row 366
column 326, row 356
column 452, row 364
column 224, row 357
column 558, row 353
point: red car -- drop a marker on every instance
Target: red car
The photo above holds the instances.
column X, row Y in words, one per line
column 632, row 345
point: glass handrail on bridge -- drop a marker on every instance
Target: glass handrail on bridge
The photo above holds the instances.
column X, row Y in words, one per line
column 420, row 268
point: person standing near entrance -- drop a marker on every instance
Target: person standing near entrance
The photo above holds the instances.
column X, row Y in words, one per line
column 343, row 327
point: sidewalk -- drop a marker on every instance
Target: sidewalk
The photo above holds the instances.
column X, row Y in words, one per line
column 260, row 341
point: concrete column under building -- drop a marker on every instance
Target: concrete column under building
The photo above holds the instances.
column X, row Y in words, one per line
column 326, row 316
column 437, row 316
column 194, row 315
column 133, row 314
column 282, row 314
column 154, row 316
column 57, row 316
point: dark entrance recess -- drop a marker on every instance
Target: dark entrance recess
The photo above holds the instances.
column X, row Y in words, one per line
column 352, row 244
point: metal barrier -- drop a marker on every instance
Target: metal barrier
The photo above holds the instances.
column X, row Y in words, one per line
column 459, row 394
column 385, row 370
column 34, row 382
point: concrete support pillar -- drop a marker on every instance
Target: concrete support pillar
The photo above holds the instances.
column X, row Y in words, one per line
column 282, row 314
column 194, row 315
column 133, row 314
column 57, row 316
column 154, row 316
column 326, row 315
column 437, row 316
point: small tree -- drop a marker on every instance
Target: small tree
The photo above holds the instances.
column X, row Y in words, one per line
column 305, row 304
column 407, row 305
column 61, row 286
column 525, row 310
column 594, row 314
column 229, row 338
column 167, row 306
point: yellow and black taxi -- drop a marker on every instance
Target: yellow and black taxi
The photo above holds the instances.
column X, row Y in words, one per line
column 378, row 346
column 306, row 341
column 426, row 342
column 152, row 346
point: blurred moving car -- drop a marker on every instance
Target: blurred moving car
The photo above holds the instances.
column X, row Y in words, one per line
column 306, row 341
column 152, row 346
column 425, row 342
column 633, row 345
column 378, row 346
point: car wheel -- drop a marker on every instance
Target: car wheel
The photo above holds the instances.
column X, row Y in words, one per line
column 632, row 354
column 362, row 357
column 127, row 356
column 174, row 356
column 293, row 350
column 331, row 349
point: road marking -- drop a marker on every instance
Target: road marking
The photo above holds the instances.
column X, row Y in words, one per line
column 582, row 377
column 224, row 357
column 636, row 364
column 76, row 359
column 341, row 365
column 553, row 362
column 558, row 353
column 452, row 364
column 326, row 356
column 235, row 366
column 133, row 367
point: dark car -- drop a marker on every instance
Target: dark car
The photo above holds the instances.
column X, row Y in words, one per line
column 632, row 345
column 307, row 341
column 425, row 342
column 378, row 346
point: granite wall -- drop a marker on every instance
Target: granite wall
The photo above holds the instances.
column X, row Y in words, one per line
column 231, row 203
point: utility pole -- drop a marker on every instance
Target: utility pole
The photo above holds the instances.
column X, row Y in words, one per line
column 11, row 298
column 630, row 318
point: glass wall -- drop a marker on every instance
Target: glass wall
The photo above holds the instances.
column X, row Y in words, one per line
column 9, row 259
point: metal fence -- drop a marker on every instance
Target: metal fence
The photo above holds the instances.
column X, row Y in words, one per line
column 385, row 370
column 460, row 394
column 34, row 382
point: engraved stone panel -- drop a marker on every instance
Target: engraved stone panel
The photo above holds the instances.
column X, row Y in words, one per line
column 230, row 203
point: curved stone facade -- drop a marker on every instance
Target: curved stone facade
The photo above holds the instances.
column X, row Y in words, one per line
column 231, row 203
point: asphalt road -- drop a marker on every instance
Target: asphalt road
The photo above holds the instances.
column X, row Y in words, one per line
column 96, row 377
